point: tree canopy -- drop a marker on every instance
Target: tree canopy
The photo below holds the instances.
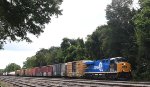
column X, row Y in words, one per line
column 44, row 57
column 20, row 17
column 12, row 67
column 119, row 15
column 142, row 22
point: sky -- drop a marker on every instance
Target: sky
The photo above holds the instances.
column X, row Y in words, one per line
column 80, row 18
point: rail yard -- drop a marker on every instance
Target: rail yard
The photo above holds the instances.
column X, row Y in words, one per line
column 13, row 81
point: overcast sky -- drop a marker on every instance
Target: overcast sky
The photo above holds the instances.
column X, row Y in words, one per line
column 80, row 18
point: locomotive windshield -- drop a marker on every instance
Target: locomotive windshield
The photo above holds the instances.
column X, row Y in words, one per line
column 122, row 59
column 118, row 59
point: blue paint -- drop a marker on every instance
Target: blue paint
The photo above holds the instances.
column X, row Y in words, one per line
column 98, row 66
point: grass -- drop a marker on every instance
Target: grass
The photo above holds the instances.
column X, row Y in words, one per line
column 2, row 84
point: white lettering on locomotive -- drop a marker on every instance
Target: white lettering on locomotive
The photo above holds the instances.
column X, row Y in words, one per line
column 100, row 67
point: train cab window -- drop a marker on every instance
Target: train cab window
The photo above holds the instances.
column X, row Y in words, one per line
column 112, row 61
column 122, row 59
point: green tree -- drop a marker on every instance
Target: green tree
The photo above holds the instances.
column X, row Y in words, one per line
column 73, row 49
column 30, row 62
column 80, row 49
column 20, row 17
column 41, row 57
column 122, row 40
column 44, row 57
column 119, row 15
column 97, row 44
column 54, row 55
column 64, row 46
column 142, row 22
column 1, row 71
column 12, row 67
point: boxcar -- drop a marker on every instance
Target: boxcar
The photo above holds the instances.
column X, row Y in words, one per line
column 26, row 72
column 46, row 70
column 22, row 72
column 49, row 70
column 63, row 69
column 80, row 68
column 30, row 71
column 38, row 71
column 69, row 69
column 56, row 70
column 76, row 68
column 59, row 69
column 43, row 71
column 34, row 71
column 17, row 72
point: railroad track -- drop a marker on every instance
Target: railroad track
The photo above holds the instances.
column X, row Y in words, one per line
column 63, row 82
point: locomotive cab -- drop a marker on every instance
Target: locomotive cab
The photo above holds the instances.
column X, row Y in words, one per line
column 113, row 65
column 121, row 66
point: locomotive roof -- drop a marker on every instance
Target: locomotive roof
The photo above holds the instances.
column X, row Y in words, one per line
column 116, row 58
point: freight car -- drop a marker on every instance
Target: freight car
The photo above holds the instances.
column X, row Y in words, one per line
column 76, row 68
column 111, row 68
column 59, row 70
column 13, row 73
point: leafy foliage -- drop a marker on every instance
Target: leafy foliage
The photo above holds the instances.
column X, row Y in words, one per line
column 142, row 22
column 95, row 43
column 30, row 62
column 73, row 49
column 44, row 57
column 119, row 15
column 20, row 17
column 1, row 71
column 12, row 67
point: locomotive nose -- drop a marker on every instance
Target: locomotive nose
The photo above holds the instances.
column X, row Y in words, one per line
column 124, row 70
column 123, row 67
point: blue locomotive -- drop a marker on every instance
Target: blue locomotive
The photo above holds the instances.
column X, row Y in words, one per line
column 112, row 68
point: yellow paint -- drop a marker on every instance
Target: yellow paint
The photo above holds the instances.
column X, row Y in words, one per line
column 80, row 69
column 123, row 67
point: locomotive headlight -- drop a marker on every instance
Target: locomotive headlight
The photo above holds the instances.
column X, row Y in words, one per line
column 124, row 66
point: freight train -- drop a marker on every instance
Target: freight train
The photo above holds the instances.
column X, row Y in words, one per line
column 111, row 68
